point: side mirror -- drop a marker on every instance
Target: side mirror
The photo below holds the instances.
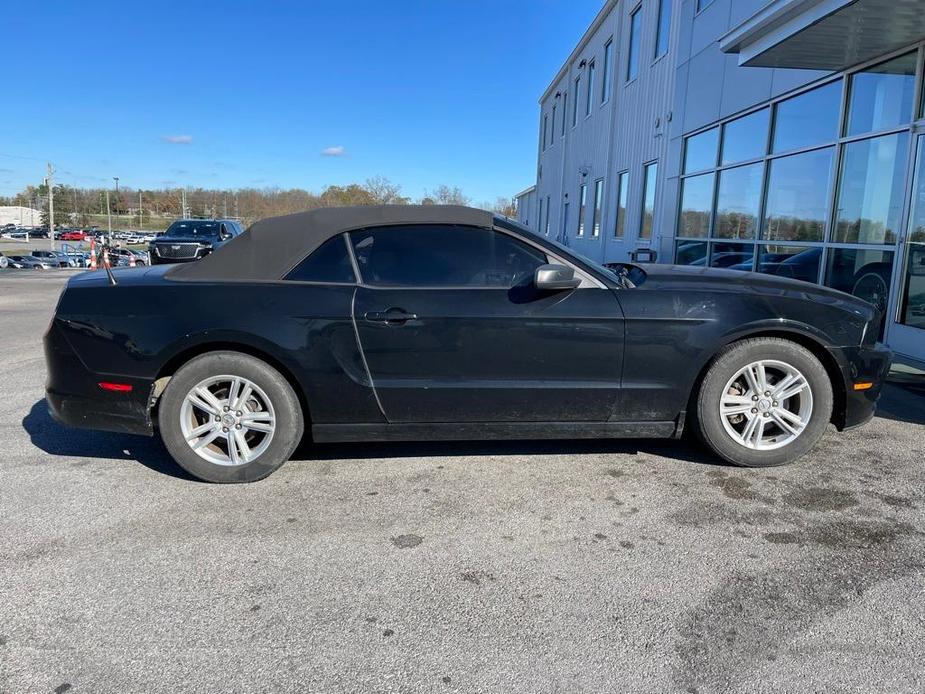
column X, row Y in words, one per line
column 555, row 277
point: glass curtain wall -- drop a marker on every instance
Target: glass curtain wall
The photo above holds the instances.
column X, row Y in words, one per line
column 810, row 186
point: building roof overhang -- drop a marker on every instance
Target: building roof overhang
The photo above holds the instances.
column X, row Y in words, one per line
column 824, row 34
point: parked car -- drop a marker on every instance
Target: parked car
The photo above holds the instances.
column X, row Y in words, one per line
column 192, row 239
column 122, row 256
column 27, row 262
column 75, row 235
column 432, row 322
column 4, row 262
column 54, row 258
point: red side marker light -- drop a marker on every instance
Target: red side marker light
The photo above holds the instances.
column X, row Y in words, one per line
column 116, row 387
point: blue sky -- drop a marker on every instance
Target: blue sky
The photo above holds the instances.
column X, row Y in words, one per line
column 239, row 94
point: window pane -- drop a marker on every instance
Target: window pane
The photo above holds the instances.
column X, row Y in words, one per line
column 703, row 3
column 664, row 25
column 690, row 253
column 871, row 189
column 808, row 119
column 564, row 111
column 605, row 76
column 327, row 263
column 575, row 100
column 545, row 129
column 622, row 186
column 700, row 151
column 733, row 256
column 798, row 188
column 738, row 201
column 632, row 61
column 439, row 255
column 864, row 273
column 913, row 297
column 546, row 225
column 648, row 197
column 696, row 204
column 552, row 126
column 917, row 214
column 746, row 138
column 582, row 204
column 590, row 100
column 598, row 203
column 795, row 262
column 881, row 96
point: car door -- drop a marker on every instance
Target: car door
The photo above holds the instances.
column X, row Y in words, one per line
column 453, row 330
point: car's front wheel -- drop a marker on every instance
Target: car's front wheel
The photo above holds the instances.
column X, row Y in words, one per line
column 229, row 417
column 763, row 402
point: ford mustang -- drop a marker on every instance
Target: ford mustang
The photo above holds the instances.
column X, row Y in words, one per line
column 431, row 322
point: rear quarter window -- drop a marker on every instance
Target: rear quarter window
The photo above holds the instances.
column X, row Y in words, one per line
column 327, row 263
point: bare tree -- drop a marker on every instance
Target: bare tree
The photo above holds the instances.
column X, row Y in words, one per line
column 444, row 195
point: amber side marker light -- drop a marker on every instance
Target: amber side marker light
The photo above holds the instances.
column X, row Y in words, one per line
column 863, row 386
column 116, row 387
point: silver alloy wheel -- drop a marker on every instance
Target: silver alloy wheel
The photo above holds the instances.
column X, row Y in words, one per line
column 766, row 405
column 227, row 420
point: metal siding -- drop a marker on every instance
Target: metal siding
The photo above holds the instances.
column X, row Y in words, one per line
column 691, row 87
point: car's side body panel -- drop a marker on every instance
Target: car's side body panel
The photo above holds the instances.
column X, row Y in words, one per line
column 474, row 362
column 493, row 355
column 680, row 318
column 131, row 333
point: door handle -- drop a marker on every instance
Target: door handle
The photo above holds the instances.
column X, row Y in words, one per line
column 392, row 316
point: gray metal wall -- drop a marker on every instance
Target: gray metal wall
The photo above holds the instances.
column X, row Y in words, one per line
column 694, row 85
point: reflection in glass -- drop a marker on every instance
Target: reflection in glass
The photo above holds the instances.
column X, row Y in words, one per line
column 863, row 272
column 917, row 215
column 700, row 151
column 582, row 204
column 807, row 119
column 746, row 137
column 881, row 96
column 913, row 306
column 696, row 203
column 795, row 262
column 871, row 190
column 691, row 253
column 798, row 188
column 733, row 256
column 598, row 205
column 648, row 200
column 622, row 190
column 738, row 201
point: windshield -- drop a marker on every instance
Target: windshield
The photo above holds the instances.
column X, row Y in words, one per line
column 193, row 228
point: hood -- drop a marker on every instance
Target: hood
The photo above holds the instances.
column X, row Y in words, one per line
column 167, row 240
column 717, row 279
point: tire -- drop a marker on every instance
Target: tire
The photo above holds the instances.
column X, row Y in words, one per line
column 272, row 404
column 872, row 284
column 723, row 387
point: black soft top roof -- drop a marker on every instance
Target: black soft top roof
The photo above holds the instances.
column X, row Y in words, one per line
column 271, row 247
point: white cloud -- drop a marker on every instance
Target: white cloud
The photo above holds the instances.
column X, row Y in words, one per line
column 338, row 151
column 177, row 139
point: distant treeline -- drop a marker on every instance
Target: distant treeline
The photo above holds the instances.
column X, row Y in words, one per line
column 80, row 206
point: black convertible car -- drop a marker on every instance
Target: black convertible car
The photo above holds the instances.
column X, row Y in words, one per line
column 395, row 323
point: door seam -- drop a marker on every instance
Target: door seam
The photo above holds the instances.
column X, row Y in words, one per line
column 356, row 334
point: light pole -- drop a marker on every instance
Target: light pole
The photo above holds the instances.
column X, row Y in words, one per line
column 51, row 206
column 116, row 179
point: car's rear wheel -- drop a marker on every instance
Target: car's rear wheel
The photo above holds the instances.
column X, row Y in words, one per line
column 763, row 402
column 229, row 417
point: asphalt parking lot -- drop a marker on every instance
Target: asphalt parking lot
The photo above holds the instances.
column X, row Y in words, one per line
column 485, row 567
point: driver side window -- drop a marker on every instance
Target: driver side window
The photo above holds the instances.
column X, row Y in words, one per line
column 443, row 256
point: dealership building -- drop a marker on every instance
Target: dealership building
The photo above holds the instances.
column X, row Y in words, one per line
column 786, row 137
